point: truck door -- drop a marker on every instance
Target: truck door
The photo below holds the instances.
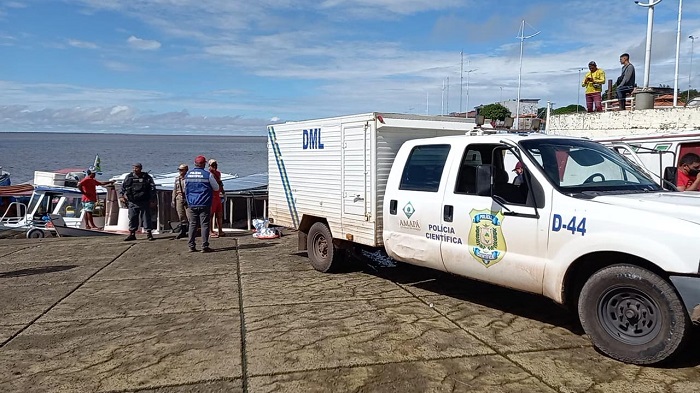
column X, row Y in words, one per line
column 355, row 171
column 413, row 210
column 492, row 229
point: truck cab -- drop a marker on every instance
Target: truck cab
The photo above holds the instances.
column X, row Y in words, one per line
column 582, row 226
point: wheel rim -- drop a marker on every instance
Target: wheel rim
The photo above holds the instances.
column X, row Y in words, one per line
column 321, row 247
column 629, row 315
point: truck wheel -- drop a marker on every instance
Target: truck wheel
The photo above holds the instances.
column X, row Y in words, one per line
column 323, row 256
column 633, row 315
column 35, row 233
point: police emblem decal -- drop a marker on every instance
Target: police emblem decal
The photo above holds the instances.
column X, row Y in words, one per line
column 486, row 242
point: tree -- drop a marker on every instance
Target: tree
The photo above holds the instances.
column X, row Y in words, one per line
column 494, row 112
column 568, row 109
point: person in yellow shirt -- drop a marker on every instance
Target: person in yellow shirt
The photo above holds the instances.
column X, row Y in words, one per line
column 593, row 82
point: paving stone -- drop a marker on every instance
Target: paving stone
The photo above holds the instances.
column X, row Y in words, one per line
column 204, row 387
column 510, row 324
column 6, row 331
column 124, row 353
column 148, row 296
column 56, row 252
column 335, row 334
column 312, row 286
column 171, row 258
column 586, row 370
column 470, row 374
column 22, row 304
column 49, row 271
column 286, row 256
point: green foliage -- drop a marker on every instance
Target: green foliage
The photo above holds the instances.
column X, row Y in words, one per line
column 683, row 95
column 568, row 109
column 494, row 112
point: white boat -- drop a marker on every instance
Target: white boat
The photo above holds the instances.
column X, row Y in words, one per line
column 52, row 199
column 4, row 178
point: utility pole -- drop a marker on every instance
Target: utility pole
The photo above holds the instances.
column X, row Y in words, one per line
column 578, row 93
column 650, row 28
column 690, row 73
column 522, row 37
column 461, row 71
column 549, row 112
column 678, row 54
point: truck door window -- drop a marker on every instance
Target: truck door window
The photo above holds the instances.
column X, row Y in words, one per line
column 424, row 167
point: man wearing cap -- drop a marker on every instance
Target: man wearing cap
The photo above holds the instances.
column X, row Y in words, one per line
column 179, row 201
column 518, row 174
column 139, row 193
column 88, row 187
column 199, row 189
column 593, row 82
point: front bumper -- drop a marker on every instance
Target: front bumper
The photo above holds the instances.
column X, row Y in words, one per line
column 689, row 289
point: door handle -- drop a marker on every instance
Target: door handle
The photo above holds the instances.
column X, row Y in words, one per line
column 448, row 213
column 358, row 198
column 393, row 204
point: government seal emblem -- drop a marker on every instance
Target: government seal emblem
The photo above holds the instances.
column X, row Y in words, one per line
column 486, row 242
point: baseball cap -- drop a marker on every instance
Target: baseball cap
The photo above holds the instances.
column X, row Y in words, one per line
column 519, row 165
column 200, row 160
column 182, row 166
column 212, row 161
column 88, row 171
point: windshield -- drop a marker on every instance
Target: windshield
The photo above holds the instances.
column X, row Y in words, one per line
column 579, row 166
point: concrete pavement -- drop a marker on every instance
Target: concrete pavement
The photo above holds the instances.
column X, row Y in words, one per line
column 99, row 314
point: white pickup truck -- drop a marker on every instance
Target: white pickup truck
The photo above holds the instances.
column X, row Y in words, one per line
column 585, row 227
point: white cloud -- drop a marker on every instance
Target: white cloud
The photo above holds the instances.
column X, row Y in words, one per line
column 142, row 44
column 117, row 66
column 82, row 44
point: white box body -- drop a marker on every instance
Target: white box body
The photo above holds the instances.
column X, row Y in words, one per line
column 337, row 168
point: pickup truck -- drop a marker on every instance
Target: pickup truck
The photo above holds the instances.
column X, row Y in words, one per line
column 583, row 226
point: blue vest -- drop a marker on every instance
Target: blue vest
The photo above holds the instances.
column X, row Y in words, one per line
column 197, row 188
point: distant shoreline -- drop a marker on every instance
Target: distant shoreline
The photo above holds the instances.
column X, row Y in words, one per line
column 163, row 133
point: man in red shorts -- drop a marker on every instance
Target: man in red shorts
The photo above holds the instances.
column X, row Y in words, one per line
column 88, row 187
column 217, row 207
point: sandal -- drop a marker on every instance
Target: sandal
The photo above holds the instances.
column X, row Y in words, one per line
column 214, row 234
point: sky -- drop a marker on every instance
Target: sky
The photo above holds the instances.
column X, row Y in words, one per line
column 231, row 67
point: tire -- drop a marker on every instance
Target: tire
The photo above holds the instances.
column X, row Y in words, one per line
column 633, row 315
column 35, row 233
column 323, row 255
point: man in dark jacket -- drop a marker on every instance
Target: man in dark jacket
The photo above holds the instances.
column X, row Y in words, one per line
column 199, row 188
column 625, row 82
column 139, row 193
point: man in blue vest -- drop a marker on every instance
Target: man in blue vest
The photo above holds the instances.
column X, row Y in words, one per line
column 199, row 188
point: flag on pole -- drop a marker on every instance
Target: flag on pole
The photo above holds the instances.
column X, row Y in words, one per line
column 97, row 165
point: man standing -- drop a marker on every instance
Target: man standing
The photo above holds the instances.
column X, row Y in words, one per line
column 687, row 176
column 625, row 82
column 217, row 207
column 139, row 193
column 199, row 189
column 179, row 201
column 88, row 187
column 593, row 82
